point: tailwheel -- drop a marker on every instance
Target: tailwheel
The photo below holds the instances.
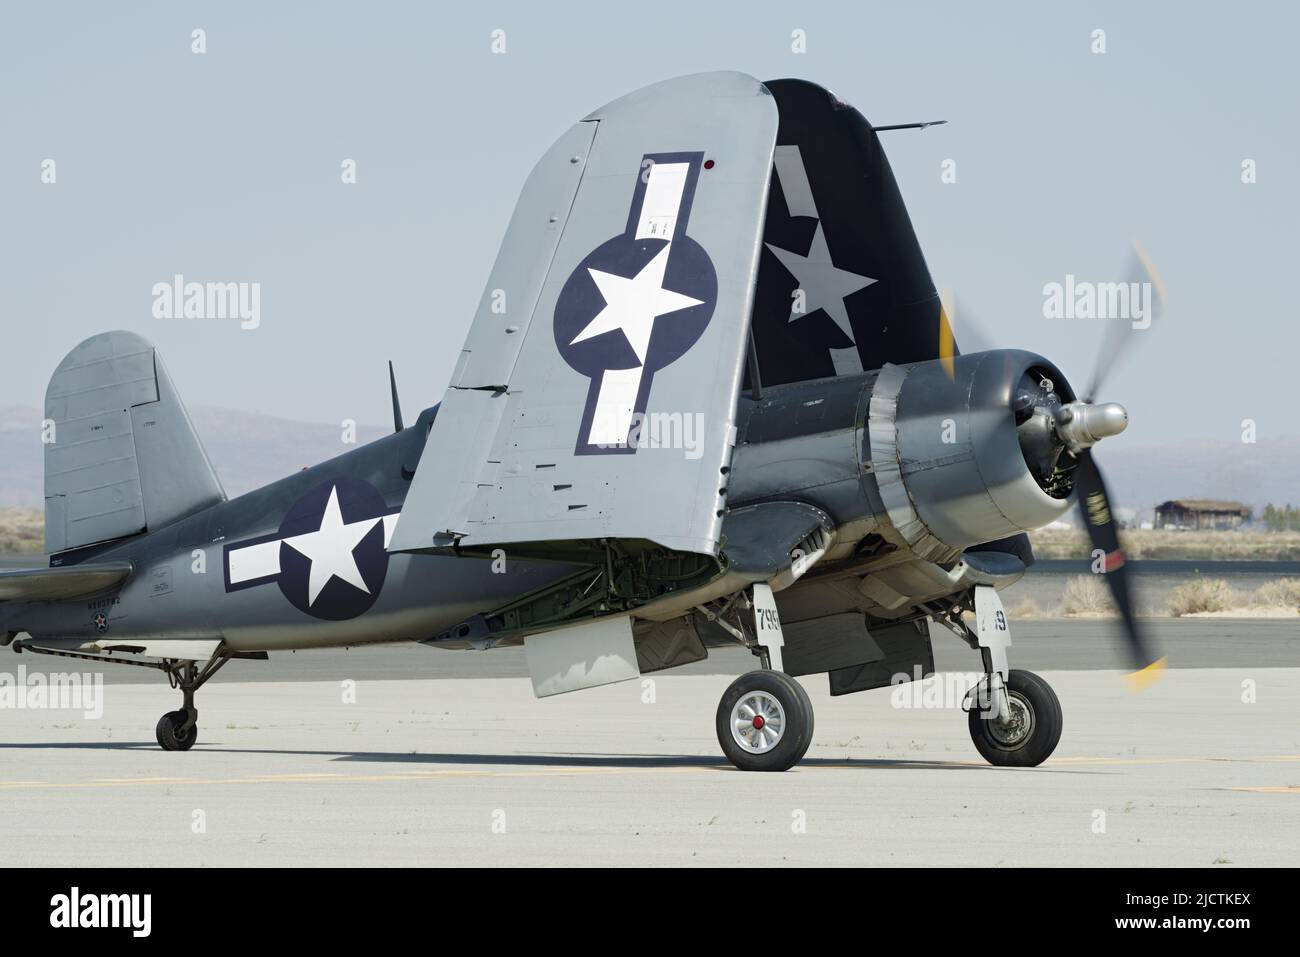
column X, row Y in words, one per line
column 765, row 721
column 172, row 733
column 1028, row 735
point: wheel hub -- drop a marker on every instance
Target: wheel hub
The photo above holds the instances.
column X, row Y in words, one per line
column 757, row 722
column 1011, row 731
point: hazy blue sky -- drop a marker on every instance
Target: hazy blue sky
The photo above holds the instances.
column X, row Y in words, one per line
column 226, row 166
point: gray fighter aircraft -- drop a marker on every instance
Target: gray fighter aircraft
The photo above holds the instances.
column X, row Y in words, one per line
column 709, row 393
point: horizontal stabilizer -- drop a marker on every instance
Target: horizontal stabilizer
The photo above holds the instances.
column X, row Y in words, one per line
column 56, row 584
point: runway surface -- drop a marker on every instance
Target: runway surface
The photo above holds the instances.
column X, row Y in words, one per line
column 1048, row 644
column 1202, row 769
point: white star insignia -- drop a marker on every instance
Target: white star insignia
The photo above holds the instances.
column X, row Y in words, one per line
column 825, row 286
column 632, row 305
column 329, row 549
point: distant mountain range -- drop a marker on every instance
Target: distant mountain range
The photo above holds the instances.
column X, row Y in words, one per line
column 249, row 450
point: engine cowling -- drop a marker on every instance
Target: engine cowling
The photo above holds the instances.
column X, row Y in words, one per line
column 966, row 451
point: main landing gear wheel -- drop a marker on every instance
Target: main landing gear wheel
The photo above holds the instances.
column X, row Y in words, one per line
column 765, row 721
column 170, row 735
column 1026, row 737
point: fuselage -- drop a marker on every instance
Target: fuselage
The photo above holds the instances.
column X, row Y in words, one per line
column 181, row 584
column 302, row 562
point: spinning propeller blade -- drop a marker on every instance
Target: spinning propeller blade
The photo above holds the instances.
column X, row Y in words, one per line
column 1090, row 487
column 1099, row 520
column 1118, row 335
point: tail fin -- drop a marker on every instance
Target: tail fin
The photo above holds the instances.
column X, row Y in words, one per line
column 124, row 456
column 842, row 283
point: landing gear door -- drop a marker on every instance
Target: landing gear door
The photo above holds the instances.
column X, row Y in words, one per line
column 767, row 625
column 991, row 628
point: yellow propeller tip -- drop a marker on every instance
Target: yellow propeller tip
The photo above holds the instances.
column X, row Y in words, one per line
column 1150, row 269
column 1146, row 677
column 946, row 345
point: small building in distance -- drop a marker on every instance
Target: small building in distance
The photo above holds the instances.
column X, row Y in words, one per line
column 1201, row 513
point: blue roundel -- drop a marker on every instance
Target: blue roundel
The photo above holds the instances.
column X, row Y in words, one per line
column 689, row 271
column 332, row 555
column 636, row 303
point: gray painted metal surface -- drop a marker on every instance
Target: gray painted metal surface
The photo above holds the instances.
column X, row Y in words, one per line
column 50, row 584
column 960, row 462
column 124, row 455
column 525, row 458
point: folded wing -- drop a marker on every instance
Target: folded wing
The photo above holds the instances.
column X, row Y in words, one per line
column 595, row 396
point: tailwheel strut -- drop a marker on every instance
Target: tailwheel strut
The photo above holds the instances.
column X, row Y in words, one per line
column 178, row 730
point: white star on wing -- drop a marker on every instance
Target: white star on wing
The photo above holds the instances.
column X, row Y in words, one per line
column 329, row 549
column 824, row 285
column 632, row 305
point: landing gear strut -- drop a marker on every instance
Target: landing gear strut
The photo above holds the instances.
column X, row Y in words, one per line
column 1014, row 716
column 765, row 718
column 178, row 730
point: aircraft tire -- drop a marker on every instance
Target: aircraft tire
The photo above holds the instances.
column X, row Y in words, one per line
column 1010, row 744
column 765, row 721
column 168, row 732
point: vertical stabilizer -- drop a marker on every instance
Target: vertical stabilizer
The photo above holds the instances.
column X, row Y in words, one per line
column 124, row 457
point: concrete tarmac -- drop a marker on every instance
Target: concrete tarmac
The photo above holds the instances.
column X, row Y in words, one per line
column 1202, row 769
column 1047, row 644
